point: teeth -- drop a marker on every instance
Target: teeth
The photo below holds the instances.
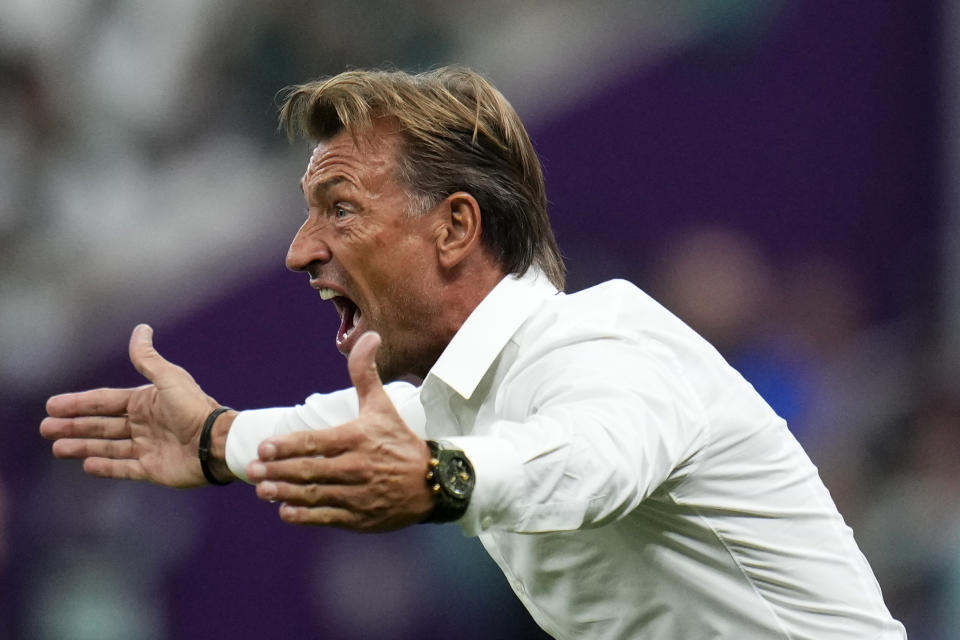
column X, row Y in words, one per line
column 326, row 293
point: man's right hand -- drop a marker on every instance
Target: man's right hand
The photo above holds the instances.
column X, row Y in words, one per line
column 147, row 433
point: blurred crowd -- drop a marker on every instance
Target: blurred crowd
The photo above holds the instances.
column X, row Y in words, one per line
column 140, row 165
column 871, row 401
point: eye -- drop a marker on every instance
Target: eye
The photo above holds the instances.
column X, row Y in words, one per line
column 340, row 212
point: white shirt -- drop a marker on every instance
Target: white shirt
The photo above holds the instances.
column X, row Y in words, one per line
column 629, row 482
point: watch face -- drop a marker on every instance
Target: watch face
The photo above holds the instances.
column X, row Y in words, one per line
column 457, row 476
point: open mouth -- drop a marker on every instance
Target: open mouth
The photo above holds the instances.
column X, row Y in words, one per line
column 350, row 318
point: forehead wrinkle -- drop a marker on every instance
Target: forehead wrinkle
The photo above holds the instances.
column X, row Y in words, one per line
column 343, row 170
column 361, row 166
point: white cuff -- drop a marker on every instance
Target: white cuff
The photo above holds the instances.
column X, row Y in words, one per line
column 498, row 493
column 319, row 411
column 248, row 430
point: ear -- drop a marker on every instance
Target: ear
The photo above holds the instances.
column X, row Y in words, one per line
column 459, row 235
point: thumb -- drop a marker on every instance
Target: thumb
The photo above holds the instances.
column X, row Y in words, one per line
column 144, row 357
column 363, row 372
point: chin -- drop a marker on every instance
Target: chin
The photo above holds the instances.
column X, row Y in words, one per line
column 410, row 364
column 410, row 378
column 392, row 371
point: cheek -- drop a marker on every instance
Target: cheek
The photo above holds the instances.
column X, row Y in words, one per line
column 396, row 304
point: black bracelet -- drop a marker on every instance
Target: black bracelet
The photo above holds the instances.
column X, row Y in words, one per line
column 203, row 450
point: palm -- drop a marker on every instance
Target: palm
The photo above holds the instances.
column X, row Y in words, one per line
column 164, row 430
column 147, row 433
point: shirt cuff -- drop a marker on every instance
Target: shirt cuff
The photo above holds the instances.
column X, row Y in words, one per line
column 319, row 411
column 498, row 492
column 248, row 430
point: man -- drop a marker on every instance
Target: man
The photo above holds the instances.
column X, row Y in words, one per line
column 628, row 482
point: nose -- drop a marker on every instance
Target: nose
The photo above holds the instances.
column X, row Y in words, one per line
column 307, row 248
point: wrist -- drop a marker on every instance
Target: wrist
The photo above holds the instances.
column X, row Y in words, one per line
column 212, row 446
column 450, row 478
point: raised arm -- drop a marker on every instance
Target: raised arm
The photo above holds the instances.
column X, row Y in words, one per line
column 146, row 433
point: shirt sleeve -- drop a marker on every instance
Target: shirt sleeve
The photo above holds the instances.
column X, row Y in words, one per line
column 589, row 430
column 319, row 411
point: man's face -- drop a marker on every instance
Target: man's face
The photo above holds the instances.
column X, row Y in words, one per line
column 366, row 253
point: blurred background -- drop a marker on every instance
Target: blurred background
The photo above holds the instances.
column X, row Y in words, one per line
column 780, row 173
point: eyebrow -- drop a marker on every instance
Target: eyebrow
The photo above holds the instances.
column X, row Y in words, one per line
column 325, row 185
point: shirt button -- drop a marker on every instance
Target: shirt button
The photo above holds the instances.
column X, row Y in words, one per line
column 486, row 522
column 519, row 588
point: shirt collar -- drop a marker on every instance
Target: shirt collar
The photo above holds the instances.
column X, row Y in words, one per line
column 487, row 329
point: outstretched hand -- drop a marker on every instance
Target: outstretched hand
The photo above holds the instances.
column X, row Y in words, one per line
column 365, row 475
column 146, row 433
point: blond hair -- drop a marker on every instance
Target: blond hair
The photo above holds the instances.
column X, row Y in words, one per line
column 459, row 134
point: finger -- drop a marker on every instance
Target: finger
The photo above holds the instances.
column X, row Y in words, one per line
column 310, row 495
column 145, row 357
column 363, row 373
column 107, row 468
column 319, row 516
column 85, row 448
column 348, row 469
column 110, row 428
column 97, row 402
column 301, row 444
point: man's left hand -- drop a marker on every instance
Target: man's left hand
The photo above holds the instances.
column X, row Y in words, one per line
column 365, row 475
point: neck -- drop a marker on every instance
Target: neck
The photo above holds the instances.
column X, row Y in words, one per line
column 463, row 288
column 466, row 288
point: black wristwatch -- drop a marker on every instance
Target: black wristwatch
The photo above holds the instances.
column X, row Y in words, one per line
column 451, row 479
